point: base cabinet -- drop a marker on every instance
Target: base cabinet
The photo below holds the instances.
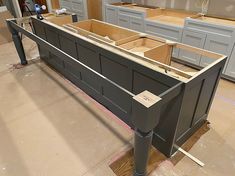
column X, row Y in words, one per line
column 214, row 37
column 124, row 21
column 111, row 13
column 216, row 43
column 230, row 69
column 131, row 19
column 137, row 24
column 195, row 39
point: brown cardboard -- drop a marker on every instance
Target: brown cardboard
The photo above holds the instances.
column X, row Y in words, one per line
column 5, row 35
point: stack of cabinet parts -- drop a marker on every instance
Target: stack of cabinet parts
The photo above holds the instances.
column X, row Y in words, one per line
column 78, row 7
column 210, row 33
column 136, row 62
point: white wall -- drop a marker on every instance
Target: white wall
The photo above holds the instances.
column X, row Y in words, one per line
column 17, row 8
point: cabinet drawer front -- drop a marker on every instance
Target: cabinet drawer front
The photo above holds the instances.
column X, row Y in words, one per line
column 213, row 28
column 137, row 24
column 111, row 15
column 66, row 4
column 219, row 44
column 131, row 13
column 194, row 39
column 165, row 31
column 230, row 69
column 124, row 20
column 77, row 7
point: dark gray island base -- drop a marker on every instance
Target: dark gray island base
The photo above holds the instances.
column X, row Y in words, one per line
column 121, row 79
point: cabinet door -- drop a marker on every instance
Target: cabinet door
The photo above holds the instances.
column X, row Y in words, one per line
column 219, row 44
column 195, row 39
column 111, row 15
column 230, row 69
column 137, row 24
column 124, row 20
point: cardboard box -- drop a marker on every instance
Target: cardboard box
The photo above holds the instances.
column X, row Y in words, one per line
column 5, row 35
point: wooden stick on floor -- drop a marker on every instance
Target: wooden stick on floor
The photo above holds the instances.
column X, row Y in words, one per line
column 190, row 156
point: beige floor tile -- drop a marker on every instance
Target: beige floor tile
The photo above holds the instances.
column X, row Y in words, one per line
column 73, row 134
column 8, row 54
column 31, row 88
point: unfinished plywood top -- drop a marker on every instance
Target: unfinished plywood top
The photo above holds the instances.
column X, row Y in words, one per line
column 121, row 3
column 216, row 20
column 170, row 16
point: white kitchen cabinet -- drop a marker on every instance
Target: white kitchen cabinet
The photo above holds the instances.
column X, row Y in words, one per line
column 192, row 38
column 131, row 19
column 66, row 4
column 230, row 69
column 106, row 3
column 220, row 38
column 111, row 13
column 124, row 20
column 216, row 43
column 136, row 24
column 78, row 7
column 125, row 17
column 166, row 31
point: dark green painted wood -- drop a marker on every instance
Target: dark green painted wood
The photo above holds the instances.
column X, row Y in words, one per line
column 182, row 111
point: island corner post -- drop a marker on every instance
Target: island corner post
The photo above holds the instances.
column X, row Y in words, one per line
column 18, row 43
column 145, row 107
column 145, row 116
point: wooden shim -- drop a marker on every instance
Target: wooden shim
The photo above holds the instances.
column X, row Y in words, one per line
column 190, row 156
